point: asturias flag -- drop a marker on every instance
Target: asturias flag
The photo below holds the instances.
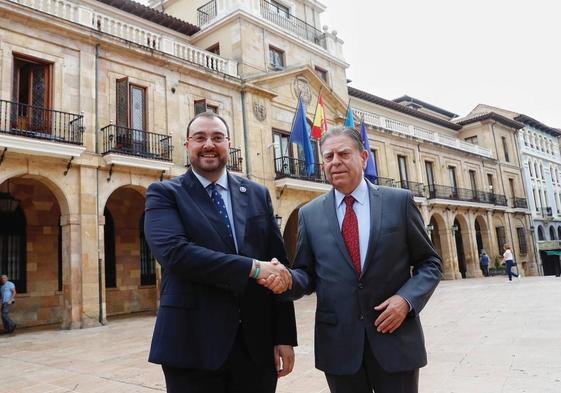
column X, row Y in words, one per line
column 350, row 121
column 370, row 172
column 320, row 122
column 301, row 135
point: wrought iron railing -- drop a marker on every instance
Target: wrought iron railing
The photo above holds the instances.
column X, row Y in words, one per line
column 418, row 189
column 464, row 194
column 295, row 168
column 41, row 123
column 384, row 181
column 235, row 160
column 289, row 22
column 206, row 13
column 520, row 203
column 132, row 142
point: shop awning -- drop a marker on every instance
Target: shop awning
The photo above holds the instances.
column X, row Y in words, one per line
column 553, row 252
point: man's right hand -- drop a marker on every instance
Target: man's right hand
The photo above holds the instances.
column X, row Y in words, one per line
column 275, row 276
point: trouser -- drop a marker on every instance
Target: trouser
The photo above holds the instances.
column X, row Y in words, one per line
column 509, row 272
column 240, row 374
column 9, row 325
column 485, row 269
column 371, row 377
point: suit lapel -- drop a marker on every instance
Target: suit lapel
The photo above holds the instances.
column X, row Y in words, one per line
column 333, row 223
column 205, row 205
column 239, row 206
column 375, row 223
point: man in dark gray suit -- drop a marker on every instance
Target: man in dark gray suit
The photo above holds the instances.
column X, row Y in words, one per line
column 363, row 249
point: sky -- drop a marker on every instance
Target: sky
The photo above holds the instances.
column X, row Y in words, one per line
column 455, row 53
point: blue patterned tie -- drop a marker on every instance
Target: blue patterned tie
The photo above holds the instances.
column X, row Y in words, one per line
column 220, row 206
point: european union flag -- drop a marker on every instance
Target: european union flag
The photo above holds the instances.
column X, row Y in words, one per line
column 301, row 135
column 370, row 172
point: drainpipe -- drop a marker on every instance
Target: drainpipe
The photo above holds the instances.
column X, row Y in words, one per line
column 99, row 259
column 245, row 137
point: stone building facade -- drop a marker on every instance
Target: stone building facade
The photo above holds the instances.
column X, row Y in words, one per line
column 94, row 100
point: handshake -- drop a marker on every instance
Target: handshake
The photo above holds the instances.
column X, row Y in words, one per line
column 272, row 275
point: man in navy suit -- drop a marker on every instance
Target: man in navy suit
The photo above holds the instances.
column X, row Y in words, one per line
column 363, row 249
column 217, row 330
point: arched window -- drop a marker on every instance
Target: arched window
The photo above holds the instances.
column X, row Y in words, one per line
column 531, row 169
column 147, row 261
column 541, row 172
column 536, row 169
column 109, row 243
column 559, row 232
column 540, row 233
column 13, row 261
column 551, row 233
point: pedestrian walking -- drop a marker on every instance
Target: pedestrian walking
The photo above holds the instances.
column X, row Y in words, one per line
column 8, row 293
column 509, row 261
column 484, row 263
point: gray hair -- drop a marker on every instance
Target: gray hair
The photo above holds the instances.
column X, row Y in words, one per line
column 346, row 131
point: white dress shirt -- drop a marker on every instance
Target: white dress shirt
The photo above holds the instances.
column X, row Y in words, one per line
column 362, row 211
column 222, row 188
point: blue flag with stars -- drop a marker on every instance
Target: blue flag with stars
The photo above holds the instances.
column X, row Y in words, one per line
column 301, row 136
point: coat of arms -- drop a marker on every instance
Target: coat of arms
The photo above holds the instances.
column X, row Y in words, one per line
column 259, row 109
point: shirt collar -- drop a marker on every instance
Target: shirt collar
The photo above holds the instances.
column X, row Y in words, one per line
column 222, row 181
column 360, row 194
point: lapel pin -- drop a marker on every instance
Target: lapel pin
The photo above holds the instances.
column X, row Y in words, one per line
column 243, row 189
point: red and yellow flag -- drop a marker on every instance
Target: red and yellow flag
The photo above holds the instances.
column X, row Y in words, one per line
column 320, row 122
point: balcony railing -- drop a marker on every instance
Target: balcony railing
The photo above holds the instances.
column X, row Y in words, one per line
column 547, row 211
column 291, row 23
column 131, row 142
column 295, row 168
column 206, row 13
column 520, row 203
column 384, row 181
column 41, row 123
column 235, row 160
column 418, row 189
column 435, row 191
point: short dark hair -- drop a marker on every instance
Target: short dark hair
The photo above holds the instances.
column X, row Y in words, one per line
column 340, row 130
column 210, row 115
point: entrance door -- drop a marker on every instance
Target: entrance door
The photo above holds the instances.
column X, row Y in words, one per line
column 460, row 249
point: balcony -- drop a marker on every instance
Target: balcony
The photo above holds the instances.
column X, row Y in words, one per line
column 38, row 130
column 136, row 148
column 384, row 181
column 297, row 169
column 520, row 203
column 292, row 24
column 546, row 212
column 418, row 189
column 437, row 191
column 206, row 13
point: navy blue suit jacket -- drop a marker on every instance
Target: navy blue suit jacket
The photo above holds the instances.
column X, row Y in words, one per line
column 207, row 293
column 400, row 260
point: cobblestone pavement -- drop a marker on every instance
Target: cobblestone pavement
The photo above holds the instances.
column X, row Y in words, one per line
column 483, row 335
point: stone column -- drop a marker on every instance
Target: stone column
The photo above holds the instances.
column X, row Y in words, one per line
column 71, row 272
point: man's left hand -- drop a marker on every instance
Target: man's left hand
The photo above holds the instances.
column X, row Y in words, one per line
column 395, row 309
column 284, row 359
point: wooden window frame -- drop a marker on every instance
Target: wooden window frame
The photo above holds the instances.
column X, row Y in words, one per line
column 282, row 54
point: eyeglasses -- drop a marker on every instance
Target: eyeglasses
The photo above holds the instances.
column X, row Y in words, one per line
column 216, row 139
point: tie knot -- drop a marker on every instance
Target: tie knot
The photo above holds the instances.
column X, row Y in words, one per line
column 349, row 200
column 212, row 187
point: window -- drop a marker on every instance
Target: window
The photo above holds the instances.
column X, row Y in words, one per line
column 512, row 194
column 202, row 106
column 276, row 58
column 490, row 183
column 131, row 117
column 403, row 177
column 375, row 158
column 429, row 168
column 214, row 49
column 522, row 245
column 452, row 179
column 551, row 233
column 472, row 180
column 505, row 149
column 277, row 8
column 501, row 239
column 109, row 247
column 540, row 233
column 13, row 248
column 559, row 233
column 31, row 92
column 147, row 261
column 472, row 139
column 321, row 73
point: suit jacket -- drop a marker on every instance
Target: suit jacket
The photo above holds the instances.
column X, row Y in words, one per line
column 400, row 260
column 207, row 294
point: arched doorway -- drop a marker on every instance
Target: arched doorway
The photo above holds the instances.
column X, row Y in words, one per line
column 434, row 234
column 290, row 235
column 31, row 249
column 457, row 228
column 129, row 268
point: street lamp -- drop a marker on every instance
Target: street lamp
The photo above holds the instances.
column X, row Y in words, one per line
column 278, row 219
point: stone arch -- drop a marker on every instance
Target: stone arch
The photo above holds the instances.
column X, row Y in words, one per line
column 482, row 234
column 464, row 244
column 541, row 234
column 439, row 234
column 552, row 233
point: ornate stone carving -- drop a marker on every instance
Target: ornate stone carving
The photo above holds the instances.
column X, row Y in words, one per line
column 259, row 109
column 300, row 85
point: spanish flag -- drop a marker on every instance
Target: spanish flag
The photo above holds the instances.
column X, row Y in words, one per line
column 320, row 122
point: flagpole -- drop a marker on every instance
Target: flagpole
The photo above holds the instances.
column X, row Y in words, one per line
column 316, row 112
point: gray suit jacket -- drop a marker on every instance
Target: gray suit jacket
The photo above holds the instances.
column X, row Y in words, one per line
column 400, row 260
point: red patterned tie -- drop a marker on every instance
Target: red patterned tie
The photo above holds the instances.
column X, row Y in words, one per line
column 349, row 230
